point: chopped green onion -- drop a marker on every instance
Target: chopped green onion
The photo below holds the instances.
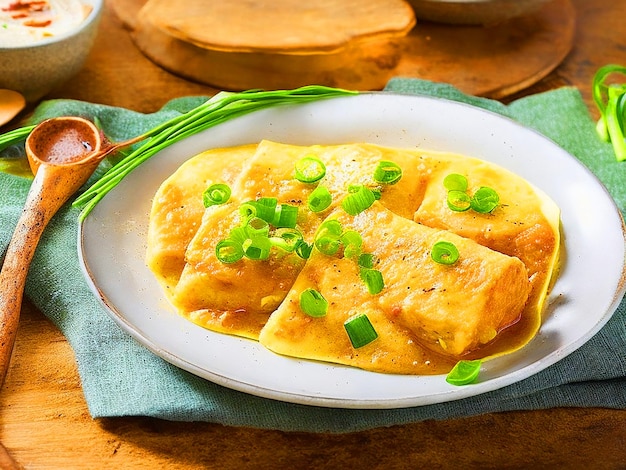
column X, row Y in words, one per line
column 313, row 303
column 387, row 172
column 444, row 252
column 257, row 248
column 216, row 194
column 373, row 280
column 239, row 234
column 464, row 372
column 328, row 237
column 319, row 199
column 327, row 245
column 309, row 169
column 360, row 330
column 458, row 201
column 247, row 210
column 366, row 260
column 303, row 249
column 285, row 215
column 221, row 108
column 455, row 182
column 256, row 227
column 229, row 251
column 485, row 200
column 265, row 208
column 610, row 99
column 358, row 199
column 287, row 239
column 330, row 227
column 352, row 243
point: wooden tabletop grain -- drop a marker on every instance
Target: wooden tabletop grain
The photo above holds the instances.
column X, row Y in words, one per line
column 45, row 423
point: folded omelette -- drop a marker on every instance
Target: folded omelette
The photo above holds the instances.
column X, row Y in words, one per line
column 425, row 316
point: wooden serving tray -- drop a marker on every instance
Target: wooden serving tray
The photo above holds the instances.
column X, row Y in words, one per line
column 493, row 61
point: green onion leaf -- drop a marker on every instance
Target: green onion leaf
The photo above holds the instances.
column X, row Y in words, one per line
column 444, row 252
column 455, row 182
column 319, row 199
column 458, row 201
column 610, row 98
column 387, row 172
column 360, row 330
column 216, row 194
column 221, row 108
column 485, row 200
column 358, row 199
column 373, row 280
column 309, row 169
column 464, row 372
column 229, row 251
column 313, row 303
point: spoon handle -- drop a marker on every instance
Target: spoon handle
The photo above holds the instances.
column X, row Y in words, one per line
column 42, row 202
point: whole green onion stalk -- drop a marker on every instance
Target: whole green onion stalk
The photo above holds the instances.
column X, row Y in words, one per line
column 219, row 109
column 610, row 98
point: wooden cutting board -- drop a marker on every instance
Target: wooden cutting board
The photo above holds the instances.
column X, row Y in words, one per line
column 493, row 61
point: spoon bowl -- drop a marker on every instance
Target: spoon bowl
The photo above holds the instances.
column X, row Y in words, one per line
column 11, row 103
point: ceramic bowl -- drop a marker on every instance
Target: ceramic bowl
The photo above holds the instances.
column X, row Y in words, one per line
column 473, row 12
column 39, row 67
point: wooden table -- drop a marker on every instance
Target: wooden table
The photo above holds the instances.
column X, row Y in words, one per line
column 44, row 421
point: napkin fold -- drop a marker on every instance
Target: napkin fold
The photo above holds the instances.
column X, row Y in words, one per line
column 122, row 378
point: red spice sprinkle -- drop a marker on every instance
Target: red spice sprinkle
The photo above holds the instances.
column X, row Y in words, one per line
column 40, row 5
column 37, row 24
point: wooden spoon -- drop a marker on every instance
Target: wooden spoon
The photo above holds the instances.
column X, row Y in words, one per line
column 62, row 153
column 11, row 103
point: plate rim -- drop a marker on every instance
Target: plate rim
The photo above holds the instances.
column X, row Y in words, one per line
column 398, row 402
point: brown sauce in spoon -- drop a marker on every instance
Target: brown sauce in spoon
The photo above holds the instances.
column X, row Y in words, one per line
column 61, row 144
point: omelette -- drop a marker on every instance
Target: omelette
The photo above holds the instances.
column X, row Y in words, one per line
column 425, row 316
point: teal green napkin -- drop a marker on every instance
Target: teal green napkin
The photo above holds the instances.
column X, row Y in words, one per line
column 122, row 378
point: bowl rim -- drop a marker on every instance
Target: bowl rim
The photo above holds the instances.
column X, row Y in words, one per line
column 92, row 17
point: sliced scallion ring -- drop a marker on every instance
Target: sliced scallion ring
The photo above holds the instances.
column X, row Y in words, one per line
column 455, row 182
column 257, row 248
column 444, row 252
column 303, row 249
column 464, row 372
column 313, row 303
column 229, row 251
column 366, row 260
column 484, row 200
column 309, row 169
column 458, row 201
column 352, row 243
column 319, row 199
column 359, row 198
column 360, row 330
column 216, row 194
column 387, row 172
column 373, row 280
column 285, row 215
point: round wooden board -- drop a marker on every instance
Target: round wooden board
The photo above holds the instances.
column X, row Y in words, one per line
column 492, row 61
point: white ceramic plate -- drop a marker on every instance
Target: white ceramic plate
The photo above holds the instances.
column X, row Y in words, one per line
column 590, row 286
